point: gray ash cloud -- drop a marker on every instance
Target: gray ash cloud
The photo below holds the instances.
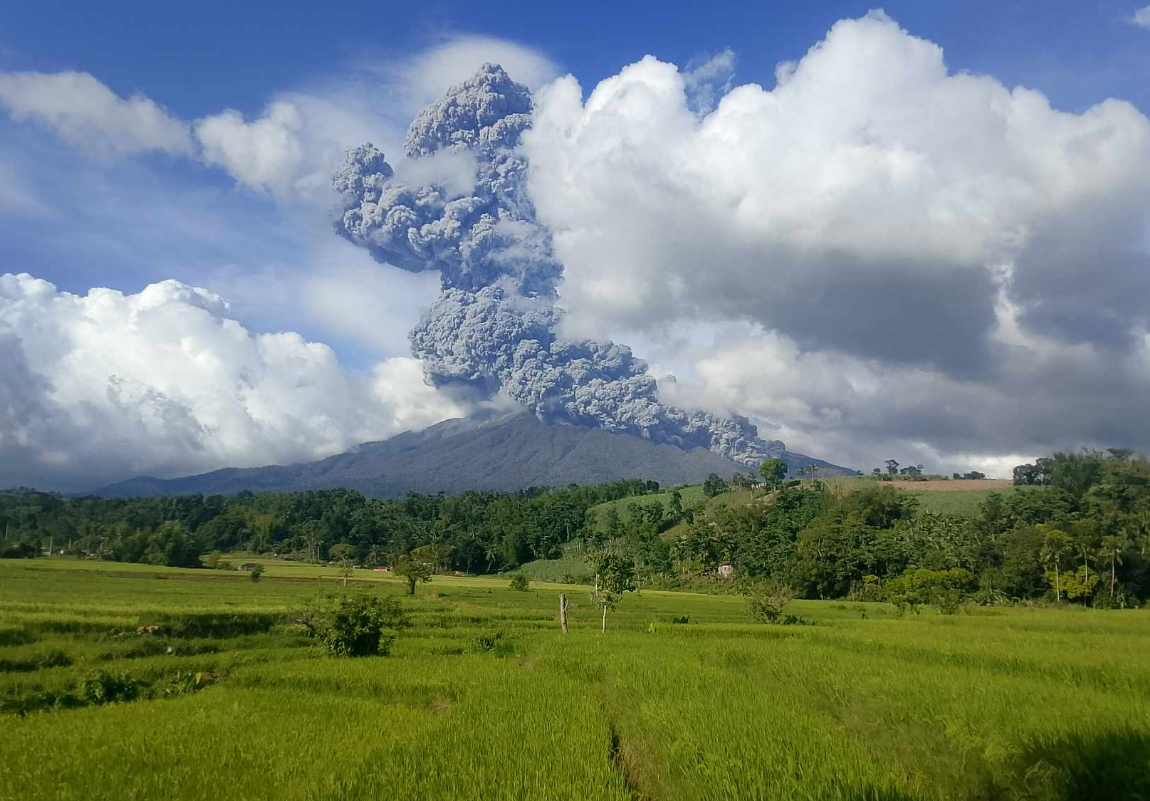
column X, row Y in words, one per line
column 494, row 326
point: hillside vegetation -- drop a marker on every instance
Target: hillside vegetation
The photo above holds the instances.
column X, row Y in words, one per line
column 1081, row 533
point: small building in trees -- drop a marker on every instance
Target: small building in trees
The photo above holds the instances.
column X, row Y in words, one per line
column 726, row 570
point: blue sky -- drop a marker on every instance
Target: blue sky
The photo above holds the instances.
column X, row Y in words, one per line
column 196, row 60
column 125, row 206
column 196, row 56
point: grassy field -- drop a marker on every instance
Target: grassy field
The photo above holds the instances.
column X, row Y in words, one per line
column 484, row 698
column 956, row 497
column 572, row 564
column 690, row 496
column 944, row 497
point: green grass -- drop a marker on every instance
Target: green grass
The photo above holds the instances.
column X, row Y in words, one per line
column 571, row 564
column 690, row 496
column 1013, row 703
column 953, row 502
column 964, row 502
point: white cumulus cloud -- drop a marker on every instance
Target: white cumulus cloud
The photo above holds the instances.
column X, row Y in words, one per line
column 291, row 148
column 1141, row 17
column 262, row 154
column 906, row 260
column 424, row 77
column 107, row 385
column 84, row 111
column 871, row 184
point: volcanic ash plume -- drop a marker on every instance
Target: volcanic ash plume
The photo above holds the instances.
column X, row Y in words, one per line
column 459, row 204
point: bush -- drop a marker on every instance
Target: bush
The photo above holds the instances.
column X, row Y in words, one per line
column 520, row 582
column 185, row 683
column 493, row 643
column 256, row 572
column 108, row 688
column 942, row 589
column 18, row 550
column 356, row 625
column 766, row 600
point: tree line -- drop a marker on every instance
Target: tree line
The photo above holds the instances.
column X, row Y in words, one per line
column 916, row 472
column 476, row 532
column 1077, row 529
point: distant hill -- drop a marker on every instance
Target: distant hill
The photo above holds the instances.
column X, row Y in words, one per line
column 499, row 452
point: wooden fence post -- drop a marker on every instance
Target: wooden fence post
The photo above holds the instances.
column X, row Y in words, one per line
column 563, row 611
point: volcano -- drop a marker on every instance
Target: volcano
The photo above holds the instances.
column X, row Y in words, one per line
column 498, row 452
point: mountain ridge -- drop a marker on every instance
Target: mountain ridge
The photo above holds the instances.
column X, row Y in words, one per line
column 498, row 452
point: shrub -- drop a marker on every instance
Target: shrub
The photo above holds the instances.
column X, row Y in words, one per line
column 520, row 582
column 18, row 550
column 942, row 589
column 356, row 625
column 108, row 688
column 871, row 589
column 256, row 571
column 185, row 683
column 493, row 643
column 766, row 599
column 216, row 561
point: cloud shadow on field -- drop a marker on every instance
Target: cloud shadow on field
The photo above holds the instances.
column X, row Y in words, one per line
column 1112, row 766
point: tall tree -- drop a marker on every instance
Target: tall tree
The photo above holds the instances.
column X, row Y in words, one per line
column 1055, row 544
column 614, row 575
column 773, row 472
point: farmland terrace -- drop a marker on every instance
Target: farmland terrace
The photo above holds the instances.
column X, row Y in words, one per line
column 135, row 681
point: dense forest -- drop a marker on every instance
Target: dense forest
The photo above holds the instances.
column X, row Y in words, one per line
column 1077, row 530
column 476, row 531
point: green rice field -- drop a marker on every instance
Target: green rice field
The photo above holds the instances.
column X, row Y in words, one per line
column 484, row 698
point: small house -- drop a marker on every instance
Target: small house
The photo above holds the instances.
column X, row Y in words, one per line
column 726, row 570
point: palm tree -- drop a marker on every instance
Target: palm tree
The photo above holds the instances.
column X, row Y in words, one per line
column 1112, row 547
column 1055, row 544
column 491, row 550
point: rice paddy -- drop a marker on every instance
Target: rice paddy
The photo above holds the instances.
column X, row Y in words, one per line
column 484, row 697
